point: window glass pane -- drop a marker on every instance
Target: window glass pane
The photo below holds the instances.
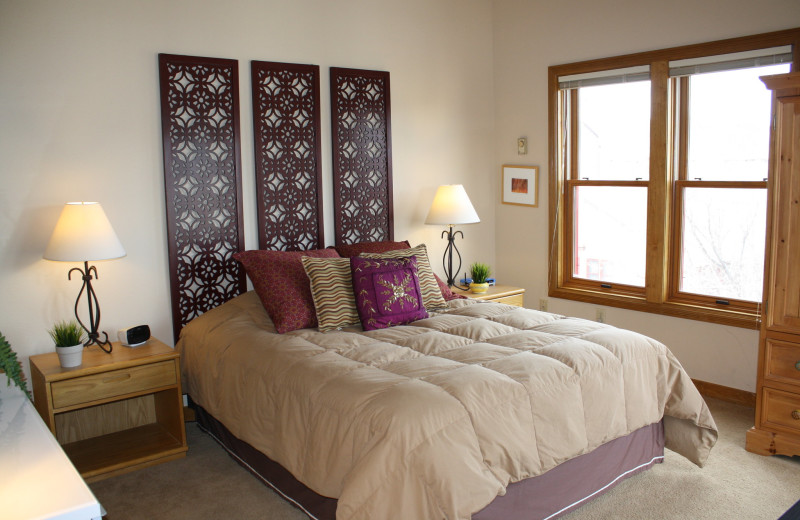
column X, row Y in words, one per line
column 610, row 234
column 723, row 242
column 614, row 131
column 729, row 115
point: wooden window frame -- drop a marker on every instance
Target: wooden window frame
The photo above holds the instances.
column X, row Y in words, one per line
column 665, row 185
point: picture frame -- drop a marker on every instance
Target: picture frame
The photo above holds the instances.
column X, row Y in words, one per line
column 520, row 185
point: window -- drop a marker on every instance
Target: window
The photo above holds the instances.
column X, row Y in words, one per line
column 660, row 162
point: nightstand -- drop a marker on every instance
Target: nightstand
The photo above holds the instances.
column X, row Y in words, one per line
column 116, row 412
column 507, row 294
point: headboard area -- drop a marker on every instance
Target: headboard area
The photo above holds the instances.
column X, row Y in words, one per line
column 202, row 182
column 202, row 168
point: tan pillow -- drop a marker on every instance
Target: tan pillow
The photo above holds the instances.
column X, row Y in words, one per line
column 332, row 291
column 431, row 294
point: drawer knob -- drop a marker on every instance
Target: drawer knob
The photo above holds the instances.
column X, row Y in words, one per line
column 797, row 365
column 796, row 415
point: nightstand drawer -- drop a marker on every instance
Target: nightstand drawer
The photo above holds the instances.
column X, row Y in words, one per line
column 783, row 361
column 112, row 384
column 781, row 409
column 516, row 299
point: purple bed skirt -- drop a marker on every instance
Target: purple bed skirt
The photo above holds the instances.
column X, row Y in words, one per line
column 550, row 495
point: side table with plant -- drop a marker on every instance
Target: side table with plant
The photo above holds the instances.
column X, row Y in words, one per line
column 68, row 336
column 480, row 275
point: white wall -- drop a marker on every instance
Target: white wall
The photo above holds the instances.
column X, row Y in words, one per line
column 529, row 37
column 80, row 120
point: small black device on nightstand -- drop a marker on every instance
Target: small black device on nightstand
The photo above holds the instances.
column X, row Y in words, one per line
column 134, row 336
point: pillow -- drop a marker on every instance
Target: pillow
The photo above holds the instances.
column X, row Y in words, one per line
column 332, row 292
column 431, row 294
column 447, row 293
column 386, row 291
column 348, row 250
column 281, row 283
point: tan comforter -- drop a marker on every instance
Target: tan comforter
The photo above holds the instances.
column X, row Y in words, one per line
column 434, row 419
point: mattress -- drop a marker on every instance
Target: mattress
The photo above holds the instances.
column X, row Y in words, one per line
column 437, row 418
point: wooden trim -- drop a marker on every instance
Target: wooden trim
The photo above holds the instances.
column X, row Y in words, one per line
column 725, row 393
column 743, row 319
column 657, row 193
column 741, row 44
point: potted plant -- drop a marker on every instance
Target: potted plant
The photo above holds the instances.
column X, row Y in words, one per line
column 67, row 336
column 480, row 274
column 11, row 366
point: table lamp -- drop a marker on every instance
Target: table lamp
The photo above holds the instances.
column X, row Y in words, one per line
column 83, row 234
column 451, row 206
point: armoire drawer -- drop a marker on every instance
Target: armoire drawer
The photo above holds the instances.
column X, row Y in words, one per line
column 783, row 361
column 780, row 409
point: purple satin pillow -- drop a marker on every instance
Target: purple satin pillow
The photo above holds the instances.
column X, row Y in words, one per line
column 387, row 291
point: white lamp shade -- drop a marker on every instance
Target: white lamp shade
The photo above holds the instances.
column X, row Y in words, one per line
column 83, row 233
column 451, row 206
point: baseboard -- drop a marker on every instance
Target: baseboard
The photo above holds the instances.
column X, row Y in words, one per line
column 726, row 393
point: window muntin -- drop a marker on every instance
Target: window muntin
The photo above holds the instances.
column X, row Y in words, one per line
column 728, row 124
column 614, row 131
column 610, row 234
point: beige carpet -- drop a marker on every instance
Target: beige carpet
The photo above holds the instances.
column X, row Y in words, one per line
column 735, row 484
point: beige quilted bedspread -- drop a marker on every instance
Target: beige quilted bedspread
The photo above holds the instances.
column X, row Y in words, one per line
column 434, row 419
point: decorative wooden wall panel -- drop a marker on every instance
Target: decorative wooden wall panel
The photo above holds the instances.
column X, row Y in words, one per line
column 287, row 148
column 202, row 179
column 362, row 155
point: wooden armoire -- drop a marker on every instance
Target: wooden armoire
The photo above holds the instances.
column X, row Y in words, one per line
column 777, row 424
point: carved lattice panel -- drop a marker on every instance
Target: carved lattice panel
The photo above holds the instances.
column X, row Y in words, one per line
column 287, row 147
column 362, row 155
column 202, row 180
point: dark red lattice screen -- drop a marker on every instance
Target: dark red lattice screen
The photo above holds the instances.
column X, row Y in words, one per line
column 287, row 147
column 362, row 155
column 202, row 180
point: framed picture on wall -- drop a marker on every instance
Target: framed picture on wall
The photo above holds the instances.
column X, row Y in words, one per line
column 521, row 185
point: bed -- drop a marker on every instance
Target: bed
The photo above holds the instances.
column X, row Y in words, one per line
column 436, row 418
column 466, row 410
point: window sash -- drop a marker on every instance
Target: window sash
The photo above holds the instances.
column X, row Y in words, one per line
column 676, row 294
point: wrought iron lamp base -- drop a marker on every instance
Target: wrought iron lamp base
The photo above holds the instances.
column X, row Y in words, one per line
column 94, row 309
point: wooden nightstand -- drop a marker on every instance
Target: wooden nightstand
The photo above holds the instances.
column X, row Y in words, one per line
column 116, row 412
column 507, row 294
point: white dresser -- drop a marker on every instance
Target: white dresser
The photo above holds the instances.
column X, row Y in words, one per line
column 37, row 480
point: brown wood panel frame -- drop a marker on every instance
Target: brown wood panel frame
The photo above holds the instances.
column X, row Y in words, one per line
column 202, row 182
column 665, row 174
column 286, row 133
column 361, row 132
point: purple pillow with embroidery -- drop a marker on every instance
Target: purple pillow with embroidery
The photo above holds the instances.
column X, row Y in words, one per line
column 387, row 291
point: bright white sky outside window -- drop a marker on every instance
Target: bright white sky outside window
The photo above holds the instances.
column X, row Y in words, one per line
column 614, row 144
column 724, row 229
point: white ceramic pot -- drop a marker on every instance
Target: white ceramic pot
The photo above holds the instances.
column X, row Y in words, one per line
column 70, row 356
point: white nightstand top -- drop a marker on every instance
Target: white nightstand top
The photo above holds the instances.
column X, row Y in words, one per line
column 38, row 480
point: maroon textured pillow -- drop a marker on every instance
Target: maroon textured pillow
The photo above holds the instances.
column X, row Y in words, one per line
column 350, row 250
column 447, row 293
column 281, row 282
column 387, row 291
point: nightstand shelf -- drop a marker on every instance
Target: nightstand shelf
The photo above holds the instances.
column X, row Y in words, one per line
column 507, row 294
column 114, row 413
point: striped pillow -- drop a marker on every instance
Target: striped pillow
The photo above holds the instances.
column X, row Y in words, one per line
column 431, row 294
column 332, row 292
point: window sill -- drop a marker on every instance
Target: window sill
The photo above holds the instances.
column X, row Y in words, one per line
column 746, row 320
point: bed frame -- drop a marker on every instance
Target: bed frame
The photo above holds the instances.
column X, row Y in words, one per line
column 202, row 172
